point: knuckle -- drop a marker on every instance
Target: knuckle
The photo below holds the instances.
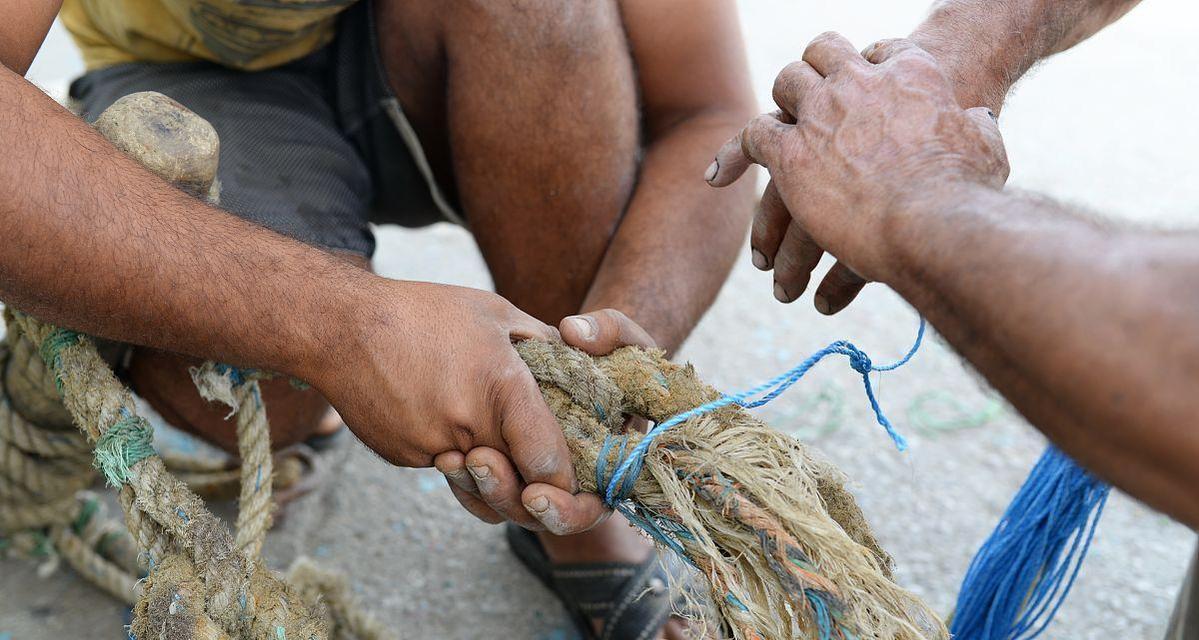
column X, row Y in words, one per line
column 786, row 81
column 824, row 39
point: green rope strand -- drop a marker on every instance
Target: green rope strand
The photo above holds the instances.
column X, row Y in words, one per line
column 123, row 445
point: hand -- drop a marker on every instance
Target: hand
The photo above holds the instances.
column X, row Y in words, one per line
column 431, row 368
column 484, row 481
column 855, row 144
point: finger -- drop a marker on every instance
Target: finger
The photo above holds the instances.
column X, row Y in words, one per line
column 475, row 505
column 499, row 485
column 891, row 48
column 452, row 464
column 797, row 256
column 562, row 513
column 839, row 287
column 735, row 156
column 529, row 429
column 601, row 332
column 830, row 52
column 770, row 225
column 793, row 82
column 525, row 327
column 988, row 125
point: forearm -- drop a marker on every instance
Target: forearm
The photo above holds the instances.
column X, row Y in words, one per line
column 679, row 238
column 985, row 46
column 94, row 242
column 1089, row 332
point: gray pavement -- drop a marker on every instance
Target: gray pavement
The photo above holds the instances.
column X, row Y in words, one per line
column 1106, row 125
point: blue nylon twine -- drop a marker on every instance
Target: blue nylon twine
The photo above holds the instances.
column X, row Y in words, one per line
column 620, row 484
column 1022, row 573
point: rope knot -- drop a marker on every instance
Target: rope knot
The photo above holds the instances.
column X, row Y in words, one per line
column 859, row 361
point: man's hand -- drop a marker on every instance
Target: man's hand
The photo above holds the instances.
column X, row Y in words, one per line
column 431, row 369
column 855, row 143
column 486, row 483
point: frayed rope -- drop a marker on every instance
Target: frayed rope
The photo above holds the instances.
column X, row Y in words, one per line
column 619, row 485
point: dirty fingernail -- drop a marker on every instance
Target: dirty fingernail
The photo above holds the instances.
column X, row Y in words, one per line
column 822, row 305
column 460, row 479
column 710, row 174
column 584, row 325
column 760, row 261
column 538, row 504
column 780, row 293
column 545, row 513
column 480, row 472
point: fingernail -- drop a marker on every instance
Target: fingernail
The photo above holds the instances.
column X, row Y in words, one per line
column 460, row 479
column 538, row 504
column 710, row 174
column 584, row 325
column 545, row 513
column 822, row 305
column 780, row 293
column 480, row 472
column 760, row 261
column 993, row 116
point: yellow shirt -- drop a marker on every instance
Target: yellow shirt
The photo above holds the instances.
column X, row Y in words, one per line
column 245, row 34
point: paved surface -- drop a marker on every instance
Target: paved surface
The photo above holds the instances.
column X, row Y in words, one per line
column 1107, row 125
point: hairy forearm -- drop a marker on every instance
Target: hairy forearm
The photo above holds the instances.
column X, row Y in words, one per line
column 1089, row 331
column 985, row 46
column 94, row 242
column 679, row 238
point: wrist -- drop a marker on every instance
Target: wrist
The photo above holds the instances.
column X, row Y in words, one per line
column 976, row 79
column 924, row 223
column 339, row 311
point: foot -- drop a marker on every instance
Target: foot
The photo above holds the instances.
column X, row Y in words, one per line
column 613, row 540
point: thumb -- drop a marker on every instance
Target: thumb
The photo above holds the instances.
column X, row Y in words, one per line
column 601, row 332
column 988, row 125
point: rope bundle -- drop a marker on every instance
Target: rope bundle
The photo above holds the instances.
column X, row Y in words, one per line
column 203, row 582
column 770, row 526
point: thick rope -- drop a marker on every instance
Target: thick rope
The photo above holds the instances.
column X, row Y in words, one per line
column 228, row 593
column 769, row 525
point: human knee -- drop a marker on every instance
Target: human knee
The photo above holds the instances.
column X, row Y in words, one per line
column 559, row 29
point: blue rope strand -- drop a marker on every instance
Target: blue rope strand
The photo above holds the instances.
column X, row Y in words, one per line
column 1023, row 572
column 619, row 486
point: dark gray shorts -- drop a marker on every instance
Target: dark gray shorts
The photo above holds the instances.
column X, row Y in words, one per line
column 317, row 149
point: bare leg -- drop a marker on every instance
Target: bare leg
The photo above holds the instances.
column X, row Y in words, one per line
column 528, row 111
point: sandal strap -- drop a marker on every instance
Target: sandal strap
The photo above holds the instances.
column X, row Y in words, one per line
column 633, row 600
column 642, row 606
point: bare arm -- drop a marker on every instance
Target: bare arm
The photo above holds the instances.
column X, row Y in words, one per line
column 1088, row 329
column 985, row 46
column 678, row 239
column 94, row 242
column 25, row 25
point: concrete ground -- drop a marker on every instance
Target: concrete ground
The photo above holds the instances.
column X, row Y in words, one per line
column 1104, row 125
